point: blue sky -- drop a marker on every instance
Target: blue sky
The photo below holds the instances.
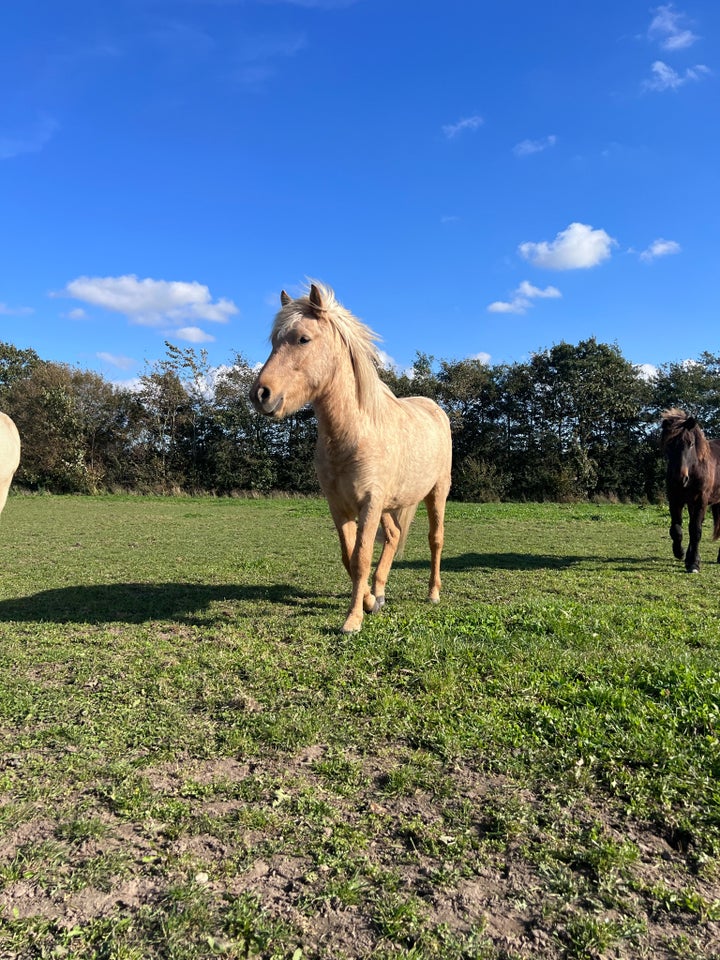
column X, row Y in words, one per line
column 472, row 178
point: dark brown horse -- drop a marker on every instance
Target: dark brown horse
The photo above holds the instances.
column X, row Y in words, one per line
column 693, row 481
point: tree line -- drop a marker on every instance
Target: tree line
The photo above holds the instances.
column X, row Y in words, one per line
column 572, row 422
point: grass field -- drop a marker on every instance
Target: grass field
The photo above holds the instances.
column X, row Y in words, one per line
column 196, row 763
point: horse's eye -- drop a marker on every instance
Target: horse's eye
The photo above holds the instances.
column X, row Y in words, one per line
column 303, row 339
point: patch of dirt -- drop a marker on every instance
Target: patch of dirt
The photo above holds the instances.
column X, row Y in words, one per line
column 505, row 887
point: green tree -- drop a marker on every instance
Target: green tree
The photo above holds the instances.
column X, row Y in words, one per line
column 593, row 404
column 693, row 386
column 15, row 365
column 469, row 392
column 242, row 442
column 43, row 405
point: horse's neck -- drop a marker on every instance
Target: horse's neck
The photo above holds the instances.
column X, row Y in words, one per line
column 341, row 421
column 339, row 418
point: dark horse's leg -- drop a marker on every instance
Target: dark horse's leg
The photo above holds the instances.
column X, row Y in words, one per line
column 676, row 531
column 697, row 515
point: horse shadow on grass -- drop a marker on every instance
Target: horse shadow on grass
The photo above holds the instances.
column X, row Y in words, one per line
column 142, row 602
column 468, row 562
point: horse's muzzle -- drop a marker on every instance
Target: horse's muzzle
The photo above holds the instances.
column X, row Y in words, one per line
column 264, row 400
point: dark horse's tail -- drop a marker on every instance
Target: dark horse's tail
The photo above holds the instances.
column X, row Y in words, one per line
column 716, row 521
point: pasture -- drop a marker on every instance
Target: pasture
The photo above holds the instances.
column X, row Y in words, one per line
column 197, row 763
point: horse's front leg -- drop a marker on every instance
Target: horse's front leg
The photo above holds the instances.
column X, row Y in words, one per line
column 362, row 599
column 676, row 530
column 692, row 558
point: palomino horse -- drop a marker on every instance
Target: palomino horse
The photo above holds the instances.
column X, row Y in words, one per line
column 9, row 455
column 377, row 456
column 693, row 480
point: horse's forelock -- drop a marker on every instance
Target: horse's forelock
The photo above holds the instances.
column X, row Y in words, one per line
column 673, row 423
column 676, row 422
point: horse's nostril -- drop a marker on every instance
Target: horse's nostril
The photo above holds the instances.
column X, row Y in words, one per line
column 259, row 393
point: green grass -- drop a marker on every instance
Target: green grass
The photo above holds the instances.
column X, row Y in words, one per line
column 196, row 762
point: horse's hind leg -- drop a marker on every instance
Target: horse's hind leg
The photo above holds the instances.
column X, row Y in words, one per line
column 435, row 503
column 692, row 558
column 676, row 531
column 716, row 524
column 391, row 533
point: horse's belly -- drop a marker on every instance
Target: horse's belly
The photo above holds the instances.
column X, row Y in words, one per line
column 390, row 489
column 390, row 468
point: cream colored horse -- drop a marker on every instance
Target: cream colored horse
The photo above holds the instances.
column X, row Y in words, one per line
column 377, row 456
column 9, row 455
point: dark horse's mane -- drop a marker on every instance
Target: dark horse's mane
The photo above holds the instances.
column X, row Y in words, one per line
column 676, row 422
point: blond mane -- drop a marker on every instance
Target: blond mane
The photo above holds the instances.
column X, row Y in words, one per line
column 320, row 303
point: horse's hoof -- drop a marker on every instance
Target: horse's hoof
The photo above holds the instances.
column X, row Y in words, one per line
column 693, row 570
column 379, row 604
column 347, row 631
column 433, row 599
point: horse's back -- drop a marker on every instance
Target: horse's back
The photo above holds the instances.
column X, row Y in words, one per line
column 424, row 415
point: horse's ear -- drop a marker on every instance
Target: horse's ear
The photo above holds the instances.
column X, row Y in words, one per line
column 315, row 298
column 691, row 423
column 285, row 298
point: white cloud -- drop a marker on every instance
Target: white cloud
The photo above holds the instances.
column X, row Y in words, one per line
column 482, row 357
column 154, row 303
column 134, row 384
column 451, row 130
column 526, row 289
column 522, row 298
column 386, row 361
column 577, row 247
column 668, row 30
column 77, row 314
column 517, row 305
column 527, row 147
column 660, row 248
column 6, row 311
column 646, row 371
column 116, row 360
column 666, row 78
column 30, row 140
column 194, row 335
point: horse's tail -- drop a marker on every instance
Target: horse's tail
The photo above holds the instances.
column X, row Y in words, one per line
column 404, row 517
